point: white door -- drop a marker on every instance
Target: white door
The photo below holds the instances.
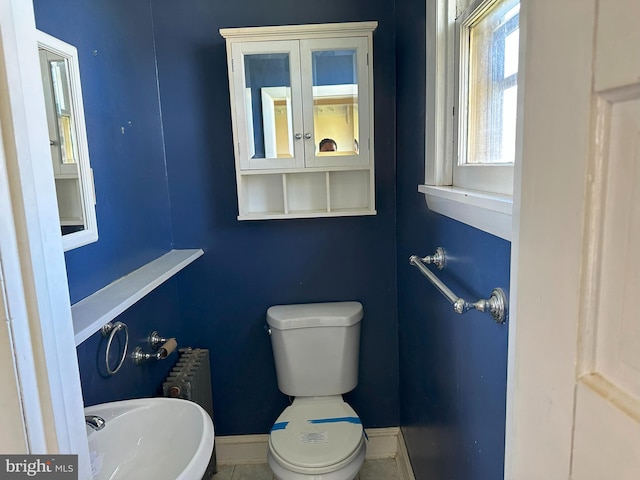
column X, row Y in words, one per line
column 574, row 378
column 607, row 417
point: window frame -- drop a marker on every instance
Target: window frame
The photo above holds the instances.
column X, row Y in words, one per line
column 484, row 208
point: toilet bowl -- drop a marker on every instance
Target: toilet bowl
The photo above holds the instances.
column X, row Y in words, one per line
column 316, row 348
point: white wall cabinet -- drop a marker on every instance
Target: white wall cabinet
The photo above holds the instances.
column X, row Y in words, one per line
column 302, row 112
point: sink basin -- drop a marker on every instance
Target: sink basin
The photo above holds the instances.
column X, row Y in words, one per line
column 158, row 438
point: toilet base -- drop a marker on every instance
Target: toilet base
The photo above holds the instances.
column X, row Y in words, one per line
column 347, row 472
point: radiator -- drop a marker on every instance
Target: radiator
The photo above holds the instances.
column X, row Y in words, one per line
column 190, row 379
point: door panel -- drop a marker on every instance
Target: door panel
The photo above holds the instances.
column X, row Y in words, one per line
column 607, row 417
column 605, row 440
column 618, row 37
column 618, row 338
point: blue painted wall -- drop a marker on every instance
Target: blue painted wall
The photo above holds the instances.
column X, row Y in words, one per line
column 148, row 204
column 249, row 266
column 117, row 63
column 452, row 367
column 114, row 39
column 157, row 311
column 169, row 181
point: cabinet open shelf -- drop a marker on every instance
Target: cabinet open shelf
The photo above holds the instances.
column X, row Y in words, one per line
column 306, row 194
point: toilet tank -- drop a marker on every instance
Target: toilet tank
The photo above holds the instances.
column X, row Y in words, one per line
column 316, row 347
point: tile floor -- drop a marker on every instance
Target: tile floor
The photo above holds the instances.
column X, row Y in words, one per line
column 373, row 469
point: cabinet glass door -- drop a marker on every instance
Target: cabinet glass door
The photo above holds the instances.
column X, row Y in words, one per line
column 269, row 78
column 340, row 121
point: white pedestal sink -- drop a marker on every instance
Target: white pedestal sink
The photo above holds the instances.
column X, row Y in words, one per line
column 154, row 438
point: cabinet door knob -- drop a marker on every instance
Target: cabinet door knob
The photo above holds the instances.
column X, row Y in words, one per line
column 298, row 136
column 307, row 136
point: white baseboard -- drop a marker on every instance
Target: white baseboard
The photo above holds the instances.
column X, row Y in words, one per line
column 241, row 449
column 402, row 459
column 252, row 449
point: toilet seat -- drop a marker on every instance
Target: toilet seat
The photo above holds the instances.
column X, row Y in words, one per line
column 316, row 435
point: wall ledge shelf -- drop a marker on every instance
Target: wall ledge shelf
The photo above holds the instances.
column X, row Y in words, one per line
column 98, row 309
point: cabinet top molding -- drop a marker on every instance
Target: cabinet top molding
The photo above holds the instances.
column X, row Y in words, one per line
column 274, row 32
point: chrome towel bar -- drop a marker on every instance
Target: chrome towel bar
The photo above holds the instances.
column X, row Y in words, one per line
column 496, row 305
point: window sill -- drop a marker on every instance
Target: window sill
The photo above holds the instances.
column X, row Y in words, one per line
column 488, row 212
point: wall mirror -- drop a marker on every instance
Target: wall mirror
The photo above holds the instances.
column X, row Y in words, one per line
column 68, row 140
column 334, row 100
column 335, row 119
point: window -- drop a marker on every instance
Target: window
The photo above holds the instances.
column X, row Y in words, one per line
column 486, row 100
column 472, row 96
column 491, row 54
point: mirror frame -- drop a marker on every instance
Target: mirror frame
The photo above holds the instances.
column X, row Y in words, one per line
column 85, row 173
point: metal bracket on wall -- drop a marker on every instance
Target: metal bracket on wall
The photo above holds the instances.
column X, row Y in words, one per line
column 496, row 305
column 438, row 258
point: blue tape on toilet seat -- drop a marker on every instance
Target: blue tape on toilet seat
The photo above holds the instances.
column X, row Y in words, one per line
column 354, row 420
column 279, row 426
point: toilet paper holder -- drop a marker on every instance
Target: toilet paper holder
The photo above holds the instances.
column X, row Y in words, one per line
column 163, row 348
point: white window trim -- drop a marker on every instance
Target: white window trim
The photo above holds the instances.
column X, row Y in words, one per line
column 486, row 211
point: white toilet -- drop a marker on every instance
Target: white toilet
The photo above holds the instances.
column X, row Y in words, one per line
column 316, row 347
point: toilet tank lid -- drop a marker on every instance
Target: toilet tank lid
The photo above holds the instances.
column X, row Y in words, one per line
column 332, row 314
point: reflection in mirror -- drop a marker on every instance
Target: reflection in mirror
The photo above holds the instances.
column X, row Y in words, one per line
column 277, row 120
column 269, row 109
column 268, row 105
column 335, row 101
column 68, row 140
